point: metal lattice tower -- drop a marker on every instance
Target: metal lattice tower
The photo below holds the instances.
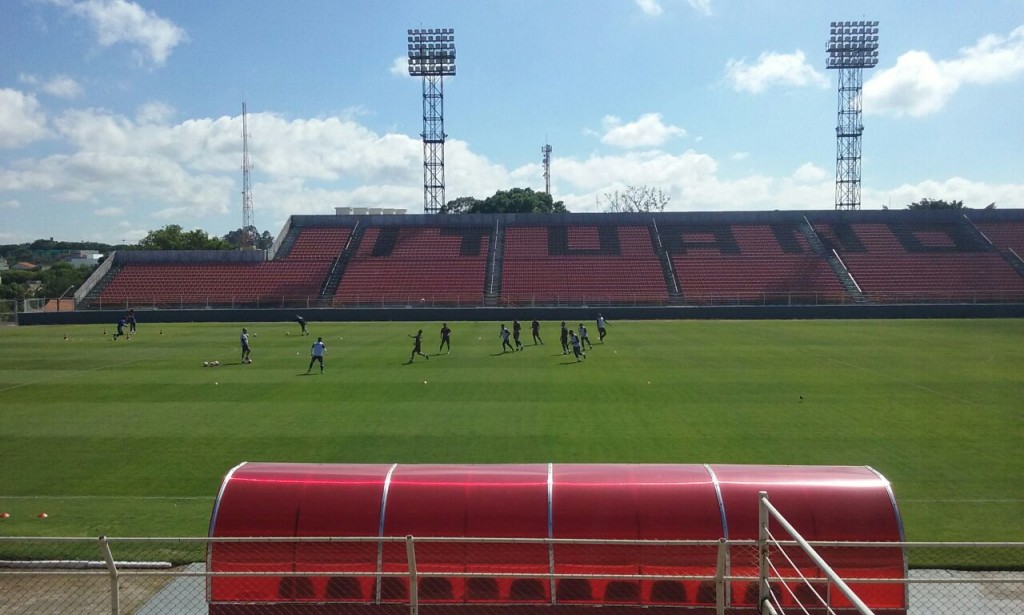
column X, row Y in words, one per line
column 546, row 150
column 852, row 47
column 248, row 225
column 432, row 56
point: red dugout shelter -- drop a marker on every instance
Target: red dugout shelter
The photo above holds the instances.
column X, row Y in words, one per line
column 558, row 514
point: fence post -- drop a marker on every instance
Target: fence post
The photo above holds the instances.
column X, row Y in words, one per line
column 414, row 598
column 721, row 571
column 115, row 599
column 762, row 549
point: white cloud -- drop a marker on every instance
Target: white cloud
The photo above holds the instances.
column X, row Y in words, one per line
column 154, row 113
column 738, row 156
column 647, row 131
column 63, row 86
column 400, row 67
column 654, row 8
column 10, row 204
column 60, row 86
column 120, row 21
column 771, row 69
column 650, row 7
column 973, row 194
column 809, row 173
column 22, row 119
column 110, row 212
column 917, row 85
column 701, row 6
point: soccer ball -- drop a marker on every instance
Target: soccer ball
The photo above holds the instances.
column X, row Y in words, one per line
column 206, row 364
column 215, row 363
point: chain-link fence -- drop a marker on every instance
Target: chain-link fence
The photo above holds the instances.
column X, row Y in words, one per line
column 8, row 311
column 445, row 576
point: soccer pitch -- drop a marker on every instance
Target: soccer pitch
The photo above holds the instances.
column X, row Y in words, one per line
column 132, row 437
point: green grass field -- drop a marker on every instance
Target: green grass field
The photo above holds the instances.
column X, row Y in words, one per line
column 132, row 437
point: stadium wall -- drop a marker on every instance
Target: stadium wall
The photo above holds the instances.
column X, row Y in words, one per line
column 820, row 312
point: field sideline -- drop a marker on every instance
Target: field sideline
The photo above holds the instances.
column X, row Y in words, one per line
column 132, row 437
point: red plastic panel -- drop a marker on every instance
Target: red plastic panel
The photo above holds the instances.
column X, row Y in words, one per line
column 833, row 503
column 577, row 501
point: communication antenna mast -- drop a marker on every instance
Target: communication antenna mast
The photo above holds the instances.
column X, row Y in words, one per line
column 248, row 225
column 852, row 47
column 546, row 150
column 432, row 56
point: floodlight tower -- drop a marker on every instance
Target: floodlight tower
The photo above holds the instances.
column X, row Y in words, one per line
column 546, row 150
column 432, row 56
column 852, row 47
column 248, row 241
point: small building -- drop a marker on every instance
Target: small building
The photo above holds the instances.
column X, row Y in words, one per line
column 24, row 266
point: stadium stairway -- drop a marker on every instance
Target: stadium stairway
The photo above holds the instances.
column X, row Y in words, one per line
column 834, row 262
column 495, row 261
column 93, row 296
column 675, row 295
column 330, row 286
column 1007, row 253
column 288, row 242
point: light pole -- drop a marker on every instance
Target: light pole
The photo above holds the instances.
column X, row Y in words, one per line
column 432, row 56
column 852, row 47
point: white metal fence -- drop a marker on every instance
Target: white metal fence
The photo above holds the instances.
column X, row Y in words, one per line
column 170, row 575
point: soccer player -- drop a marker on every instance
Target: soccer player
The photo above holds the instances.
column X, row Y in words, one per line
column 516, row 328
column 600, row 328
column 584, row 338
column 120, row 328
column 446, row 338
column 536, row 333
column 564, row 336
column 417, row 346
column 244, row 339
column 504, row 340
column 316, row 354
column 302, row 324
column 131, row 322
column 576, row 349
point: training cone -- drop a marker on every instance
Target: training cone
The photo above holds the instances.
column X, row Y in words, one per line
column 43, row 515
column 5, row 515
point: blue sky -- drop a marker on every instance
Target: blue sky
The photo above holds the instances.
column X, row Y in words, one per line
column 117, row 118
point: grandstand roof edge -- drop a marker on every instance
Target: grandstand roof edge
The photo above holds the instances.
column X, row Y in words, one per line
column 677, row 217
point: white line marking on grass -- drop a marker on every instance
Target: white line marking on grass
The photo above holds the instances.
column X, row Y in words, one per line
column 899, row 380
column 81, row 371
column 106, row 497
column 963, row 501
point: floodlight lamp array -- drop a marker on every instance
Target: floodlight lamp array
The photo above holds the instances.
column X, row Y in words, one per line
column 431, row 51
column 853, row 44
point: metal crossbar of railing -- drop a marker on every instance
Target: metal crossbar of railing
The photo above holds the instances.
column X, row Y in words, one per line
column 447, row 575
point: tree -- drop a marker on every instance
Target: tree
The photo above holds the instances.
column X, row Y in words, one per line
column 514, row 201
column 938, row 204
column 263, row 242
column 461, row 205
column 171, row 237
column 643, row 199
column 61, row 277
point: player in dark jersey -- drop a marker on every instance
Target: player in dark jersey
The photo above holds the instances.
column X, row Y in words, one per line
column 516, row 328
column 564, row 336
column 446, row 338
column 536, row 333
column 417, row 346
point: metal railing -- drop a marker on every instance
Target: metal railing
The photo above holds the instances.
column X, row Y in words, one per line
column 173, row 575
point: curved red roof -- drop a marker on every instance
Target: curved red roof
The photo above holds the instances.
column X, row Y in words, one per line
column 642, row 502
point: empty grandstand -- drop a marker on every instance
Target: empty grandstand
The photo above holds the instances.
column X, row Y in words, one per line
column 698, row 258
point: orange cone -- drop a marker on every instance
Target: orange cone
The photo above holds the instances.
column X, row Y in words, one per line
column 43, row 515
